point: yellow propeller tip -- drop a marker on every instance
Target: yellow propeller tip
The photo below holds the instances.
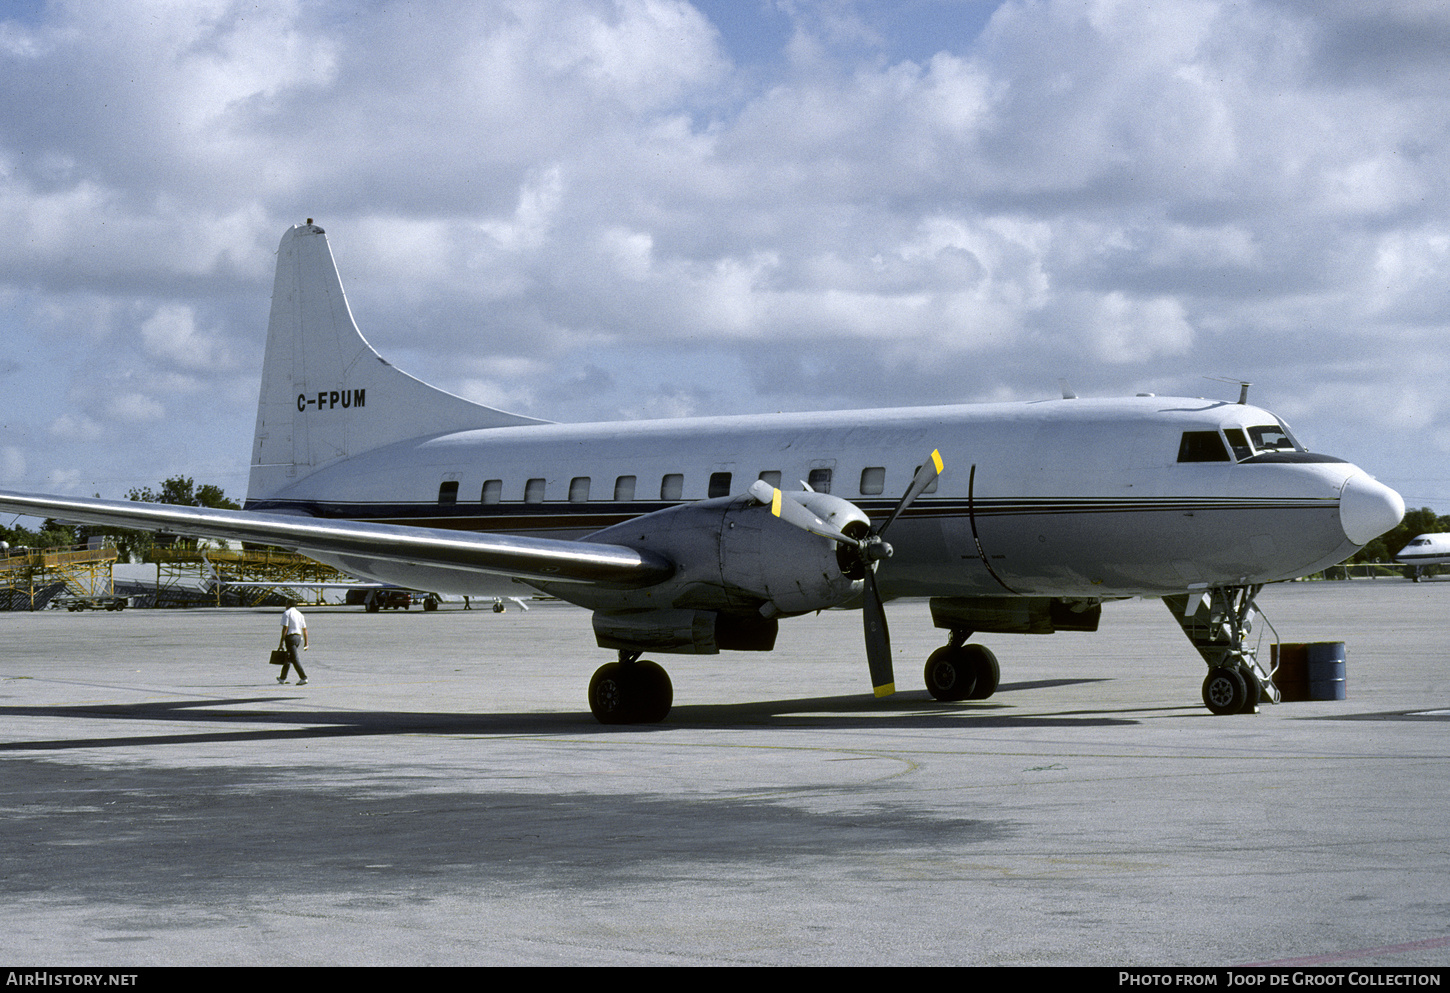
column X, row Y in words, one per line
column 886, row 690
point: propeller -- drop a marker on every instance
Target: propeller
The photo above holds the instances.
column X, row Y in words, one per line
column 870, row 549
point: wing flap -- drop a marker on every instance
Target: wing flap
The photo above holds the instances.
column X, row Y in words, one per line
column 542, row 559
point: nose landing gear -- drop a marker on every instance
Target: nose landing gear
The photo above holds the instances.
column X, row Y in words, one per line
column 1218, row 622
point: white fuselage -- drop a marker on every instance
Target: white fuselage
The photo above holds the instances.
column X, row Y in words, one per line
column 1068, row 498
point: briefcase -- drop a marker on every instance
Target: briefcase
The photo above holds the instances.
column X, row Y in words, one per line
column 280, row 656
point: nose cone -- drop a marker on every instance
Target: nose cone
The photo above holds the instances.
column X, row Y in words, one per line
column 1368, row 508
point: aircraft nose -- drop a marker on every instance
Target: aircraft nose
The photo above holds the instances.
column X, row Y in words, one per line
column 1368, row 508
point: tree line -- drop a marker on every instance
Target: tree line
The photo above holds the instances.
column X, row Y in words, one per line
column 131, row 546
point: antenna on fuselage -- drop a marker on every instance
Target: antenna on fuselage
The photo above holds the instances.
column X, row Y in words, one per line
column 1067, row 393
column 1243, row 386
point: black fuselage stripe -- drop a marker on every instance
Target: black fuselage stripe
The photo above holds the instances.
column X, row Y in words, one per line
column 572, row 517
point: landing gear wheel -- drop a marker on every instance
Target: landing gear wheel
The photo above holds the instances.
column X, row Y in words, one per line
column 656, row 692
column 962, row 672
column 949, row 674
column 630, row 693
column 1252, row 692
column 608, row 694
column 1224, row 691
column 988, row 672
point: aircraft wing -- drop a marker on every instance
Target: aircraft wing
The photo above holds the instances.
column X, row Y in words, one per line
column 542, row 559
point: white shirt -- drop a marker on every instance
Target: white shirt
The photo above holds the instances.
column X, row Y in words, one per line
column 293, row 622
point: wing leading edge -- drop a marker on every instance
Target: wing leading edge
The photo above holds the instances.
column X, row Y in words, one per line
column 541, row 559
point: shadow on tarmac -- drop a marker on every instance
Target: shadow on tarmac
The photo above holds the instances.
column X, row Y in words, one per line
column 905, row 710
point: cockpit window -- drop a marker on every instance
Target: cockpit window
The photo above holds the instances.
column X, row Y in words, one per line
column 1271, row 438
column 1238, row 443
column 1202, row 446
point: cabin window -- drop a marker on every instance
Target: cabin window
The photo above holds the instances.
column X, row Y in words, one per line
column 1202, row 446
column 672, row 486
column 624, row 488
column 448, row 493
column 492, row 491
column 579, row 489
column 1238, row 443
column 819, row 480
column 719, row 484
column 771, row 477
column 534, row 491
column 873, row 480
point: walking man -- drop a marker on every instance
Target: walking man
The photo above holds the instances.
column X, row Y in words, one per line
column 294, row 642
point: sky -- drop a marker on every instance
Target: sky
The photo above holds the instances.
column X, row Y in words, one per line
column 602, row 209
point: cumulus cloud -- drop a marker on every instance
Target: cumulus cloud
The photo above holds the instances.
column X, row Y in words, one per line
column 170, row 335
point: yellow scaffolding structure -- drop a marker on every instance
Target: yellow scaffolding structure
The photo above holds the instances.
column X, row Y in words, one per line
column 27, row 573
column 85, row 572
column 285, row 573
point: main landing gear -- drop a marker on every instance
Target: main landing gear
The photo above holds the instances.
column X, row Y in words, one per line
column 638, row 691
column 958, row 671
column 631, row 691
column 1218, row 622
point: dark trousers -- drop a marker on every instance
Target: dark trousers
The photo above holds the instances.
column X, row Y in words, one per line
column 293, row 643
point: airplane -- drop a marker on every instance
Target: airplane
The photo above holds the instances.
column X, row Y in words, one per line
column 1423, row 550
column 699, row 535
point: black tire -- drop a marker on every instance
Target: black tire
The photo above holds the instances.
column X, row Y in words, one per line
column 1252, row 693
column 609, row 694
column 986, row 670
column 631, row 693
column 430, row 604
column 656, row 694
column 1224, row 691
column 949, row 674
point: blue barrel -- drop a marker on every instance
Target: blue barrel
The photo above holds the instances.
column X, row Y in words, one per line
column 1326, row 667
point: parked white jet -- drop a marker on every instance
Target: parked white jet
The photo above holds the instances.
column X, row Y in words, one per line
column 678, row 536
column 1423, row 550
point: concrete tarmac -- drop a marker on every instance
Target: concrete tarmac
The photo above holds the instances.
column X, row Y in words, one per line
column 440, row 794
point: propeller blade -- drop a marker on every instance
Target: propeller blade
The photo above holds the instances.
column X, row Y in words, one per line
column 928, row 472
column 871, row 550
column 795, row 513
column 878, row 639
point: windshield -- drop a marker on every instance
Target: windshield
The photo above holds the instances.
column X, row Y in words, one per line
column 1271, row 438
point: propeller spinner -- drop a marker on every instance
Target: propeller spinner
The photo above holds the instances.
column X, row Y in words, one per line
column 869, row 550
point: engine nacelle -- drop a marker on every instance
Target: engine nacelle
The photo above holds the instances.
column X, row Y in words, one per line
column 733, row 557
column 688, row 632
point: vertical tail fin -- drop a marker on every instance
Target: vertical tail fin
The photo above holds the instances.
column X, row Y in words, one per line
column 326, row 394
